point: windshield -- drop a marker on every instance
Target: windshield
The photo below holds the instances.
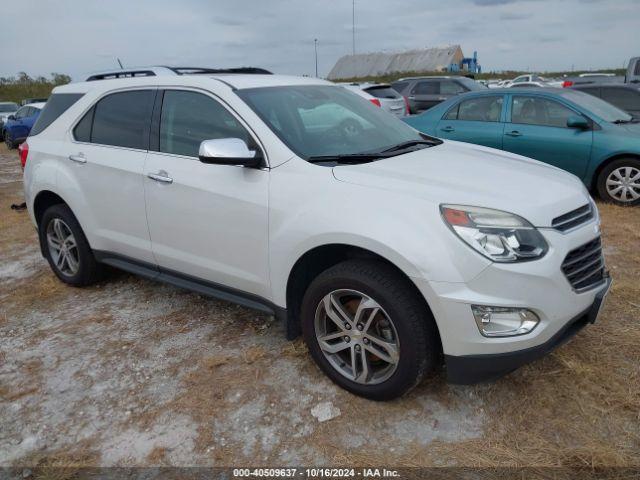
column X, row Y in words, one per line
column 320, row 121
column 599, row 107
column 8, row 107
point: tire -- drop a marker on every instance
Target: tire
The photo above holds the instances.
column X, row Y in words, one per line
column 619, row 182
column 401, row 320
column 58, row 221
column 8, row 141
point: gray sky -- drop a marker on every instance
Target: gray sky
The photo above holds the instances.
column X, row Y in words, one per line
column 77, row 36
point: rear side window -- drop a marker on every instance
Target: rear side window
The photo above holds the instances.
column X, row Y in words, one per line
column 121, row 119
column 449, row 87
column 427, row 88
column 480, row 109
column 57, row 104
column 82, row 132
column 383, row 92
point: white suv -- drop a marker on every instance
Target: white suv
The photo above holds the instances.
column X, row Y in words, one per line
column 385, row 248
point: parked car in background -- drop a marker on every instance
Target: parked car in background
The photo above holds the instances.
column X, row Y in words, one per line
column 388, row 250
column 6, row 109
column 534, row 84
column 29, row 101
column 423, row 93
column 527, row 79
column 390, row 100
column 633, row 71
column 624, row 96
column 19, row 124
column 569, row 129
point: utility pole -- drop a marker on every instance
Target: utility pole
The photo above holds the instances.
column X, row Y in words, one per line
column 315, row 46
column 353, row 26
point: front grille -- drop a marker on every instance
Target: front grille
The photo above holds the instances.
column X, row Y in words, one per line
column 584, row 266
column 573, row 218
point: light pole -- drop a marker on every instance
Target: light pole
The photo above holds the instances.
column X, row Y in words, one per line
column 353, row 26
column 315, row 46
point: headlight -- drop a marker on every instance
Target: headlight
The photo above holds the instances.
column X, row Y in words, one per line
column 499, row 236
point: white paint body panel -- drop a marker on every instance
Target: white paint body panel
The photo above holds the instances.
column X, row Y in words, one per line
column 246, row 229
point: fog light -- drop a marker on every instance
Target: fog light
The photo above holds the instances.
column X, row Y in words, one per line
column 504, row 321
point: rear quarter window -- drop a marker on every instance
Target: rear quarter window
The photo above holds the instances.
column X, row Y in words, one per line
column 57, row 104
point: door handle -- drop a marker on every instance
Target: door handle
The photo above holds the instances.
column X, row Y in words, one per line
column 515, row 133
column 78, row 158
column 448, row 129
column 161, row 176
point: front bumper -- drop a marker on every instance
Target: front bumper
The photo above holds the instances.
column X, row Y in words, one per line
column 470, row 369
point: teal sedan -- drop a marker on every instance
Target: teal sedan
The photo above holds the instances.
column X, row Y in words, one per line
column 569, row 129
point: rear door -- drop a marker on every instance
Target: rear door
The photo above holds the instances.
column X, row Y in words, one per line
column 106, row 160
column 424, row 95
column 476, row 120
column 20, row 130
column 538, row 129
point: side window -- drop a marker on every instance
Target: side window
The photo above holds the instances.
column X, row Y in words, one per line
column 188, row 118
column 82, row 132
column 427, row 88
column 622, row 98
column 21, row 113
column 122, row 119
column 57, row 104
column 449, row 87
column 452, row 114
column 539, row 111
column 481, row 109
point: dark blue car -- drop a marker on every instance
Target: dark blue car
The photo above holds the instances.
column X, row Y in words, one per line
column 17, row 127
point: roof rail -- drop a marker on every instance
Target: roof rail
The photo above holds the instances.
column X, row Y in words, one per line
column 166, row 70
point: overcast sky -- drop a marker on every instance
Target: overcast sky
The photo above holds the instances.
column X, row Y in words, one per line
column 77, row 36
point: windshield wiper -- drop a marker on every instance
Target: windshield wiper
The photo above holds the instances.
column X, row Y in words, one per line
column 350, row 158
column 408, row 144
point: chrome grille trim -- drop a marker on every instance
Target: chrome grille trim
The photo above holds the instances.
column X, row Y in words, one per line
column 573, row 218
column 584, row 266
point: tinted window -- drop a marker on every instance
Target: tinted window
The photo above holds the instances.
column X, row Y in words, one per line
column 399, row 86
column 122, row 119
column 604, row 110
column 382, row 92
column 481, row 109
column 622, row 98
column 188, row 118
column 57, row 104
column 637, row 72
column 448, row 87
column 82, row 132
column 21, row 113
column 427, row 88
column 540, row 111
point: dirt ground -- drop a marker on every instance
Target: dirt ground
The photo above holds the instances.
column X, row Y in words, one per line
column 132, row 372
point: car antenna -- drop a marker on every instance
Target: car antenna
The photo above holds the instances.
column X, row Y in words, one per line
column 120, row 63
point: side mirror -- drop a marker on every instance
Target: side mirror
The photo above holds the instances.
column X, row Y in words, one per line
column 229, row 151
column 576, row 121
column 11, row 117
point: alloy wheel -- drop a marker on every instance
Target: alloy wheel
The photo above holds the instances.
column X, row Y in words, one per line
column 63, row 247
column 357, row 336
column 623, row 184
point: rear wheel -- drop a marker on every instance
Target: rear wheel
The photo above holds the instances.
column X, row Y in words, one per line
column 66, row 247
column 368, row 330
column 8, row 141
column 619, row 182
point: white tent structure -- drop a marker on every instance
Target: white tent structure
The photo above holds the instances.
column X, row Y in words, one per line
column 435, row 59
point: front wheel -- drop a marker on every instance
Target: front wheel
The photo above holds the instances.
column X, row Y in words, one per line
column 368, row 329
column 619, row 182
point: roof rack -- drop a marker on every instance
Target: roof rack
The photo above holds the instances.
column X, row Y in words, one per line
column 165, row 70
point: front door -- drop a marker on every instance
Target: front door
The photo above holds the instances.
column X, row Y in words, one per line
column 538, row 129
column 475, row 120
column 206, row 221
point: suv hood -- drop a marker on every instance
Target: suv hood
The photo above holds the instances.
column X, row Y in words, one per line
column 465, row 174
